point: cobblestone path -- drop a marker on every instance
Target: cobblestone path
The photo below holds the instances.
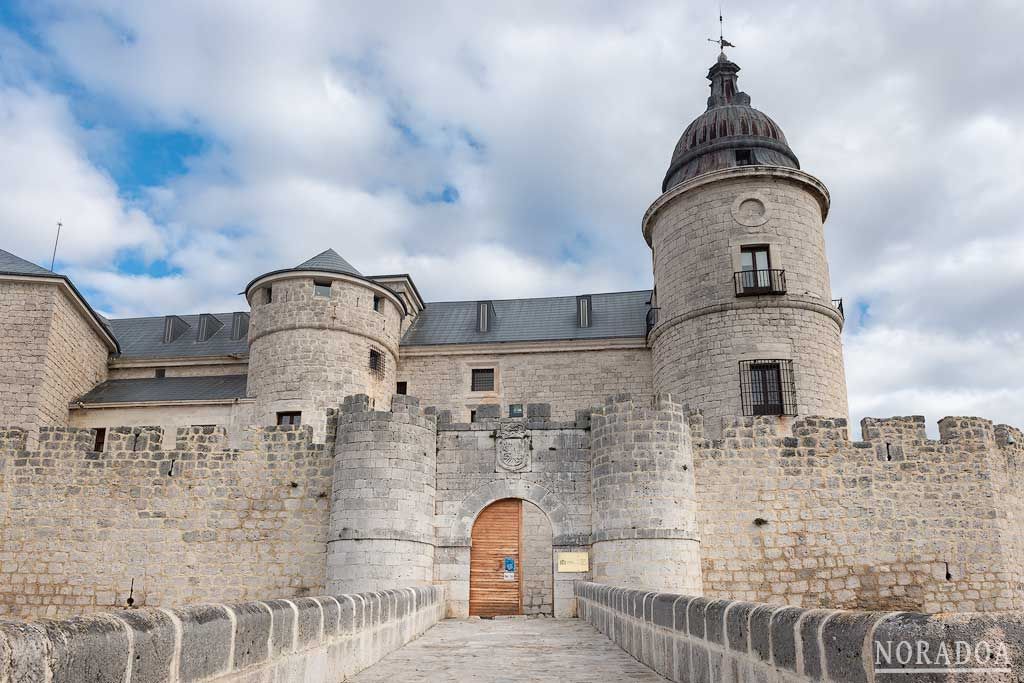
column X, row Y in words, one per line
column 509, row 650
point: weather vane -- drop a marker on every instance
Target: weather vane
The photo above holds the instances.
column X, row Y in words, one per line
column 722, row 42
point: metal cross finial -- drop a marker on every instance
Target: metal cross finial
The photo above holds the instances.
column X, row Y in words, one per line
column 722, row 42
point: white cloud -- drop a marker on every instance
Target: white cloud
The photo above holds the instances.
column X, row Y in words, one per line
column 328, row 123
column 46, row 176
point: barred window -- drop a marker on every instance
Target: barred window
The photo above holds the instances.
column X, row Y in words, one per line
column 376, row 363
column 483, row 379
column 767, row 387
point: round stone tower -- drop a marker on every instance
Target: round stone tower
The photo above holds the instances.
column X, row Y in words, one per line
column 320, row 332
column 746, row 324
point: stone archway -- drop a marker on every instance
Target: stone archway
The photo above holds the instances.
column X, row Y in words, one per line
column 569, row 533
column 511, row 561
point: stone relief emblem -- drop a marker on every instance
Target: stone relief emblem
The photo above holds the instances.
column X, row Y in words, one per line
column 513, row 448
column 749, row 210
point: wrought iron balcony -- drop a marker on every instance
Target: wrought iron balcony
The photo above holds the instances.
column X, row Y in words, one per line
column 751, row 282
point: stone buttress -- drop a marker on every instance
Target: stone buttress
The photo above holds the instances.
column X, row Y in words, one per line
column 382, row 502
column 645, row 505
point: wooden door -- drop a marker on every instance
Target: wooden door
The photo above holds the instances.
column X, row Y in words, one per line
column 496, row 535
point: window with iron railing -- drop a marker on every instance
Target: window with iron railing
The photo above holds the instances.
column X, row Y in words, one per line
column 767, row 387
column 768, row 281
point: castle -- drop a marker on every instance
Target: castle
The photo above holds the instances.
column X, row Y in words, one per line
column 343, row 435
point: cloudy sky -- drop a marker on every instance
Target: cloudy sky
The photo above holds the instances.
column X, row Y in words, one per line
column 510, row 149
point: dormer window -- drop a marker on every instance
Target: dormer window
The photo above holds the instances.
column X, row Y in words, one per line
column 484, row 316
column 583, row 311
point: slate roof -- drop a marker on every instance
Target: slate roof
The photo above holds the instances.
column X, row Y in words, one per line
column 329, row 261
column 614, row 315
column 167, row 389
column 15, row 265
column 143, row 338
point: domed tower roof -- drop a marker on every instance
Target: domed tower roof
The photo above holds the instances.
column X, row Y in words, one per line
column 730, row 133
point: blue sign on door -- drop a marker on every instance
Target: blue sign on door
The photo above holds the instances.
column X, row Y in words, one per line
column 510, row 564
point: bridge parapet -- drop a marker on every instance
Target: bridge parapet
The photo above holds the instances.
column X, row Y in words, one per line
column 305, row 639
column 688, row 638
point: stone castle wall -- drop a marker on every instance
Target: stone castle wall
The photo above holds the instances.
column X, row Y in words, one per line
column 49, row 355
column 566, row 380
column 896, row 522
column 645, row 506
column 538, row 562
column 696, row 232
column 382, row 505
column 553, row 474
column 309, row 352
column 199, row 522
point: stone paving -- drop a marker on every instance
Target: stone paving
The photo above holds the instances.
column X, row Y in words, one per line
column 513, row 650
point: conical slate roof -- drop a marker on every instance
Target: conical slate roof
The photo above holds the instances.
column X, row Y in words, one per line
column 327, row 261
column 330, row 261
column 15, row 265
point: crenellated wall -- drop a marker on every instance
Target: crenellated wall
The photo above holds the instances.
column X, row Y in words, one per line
column 199, row 522
column 645, row 506
column 551, row 471
column 898, row 521
column 382, row 505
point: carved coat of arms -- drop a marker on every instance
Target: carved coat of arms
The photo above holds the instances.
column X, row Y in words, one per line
column 513, row 448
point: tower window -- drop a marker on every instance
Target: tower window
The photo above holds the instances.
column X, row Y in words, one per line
column 378, row 303
column 515, row 410
column 270, row 293
column 402, row 388
column 376, row 363
column 583, row 305
column 482, row 380
column 100, row 441
column 744, row 157
column 289, row 417
column 160, row 373
column 767, row 387
column 756, row 275
column 322, row 289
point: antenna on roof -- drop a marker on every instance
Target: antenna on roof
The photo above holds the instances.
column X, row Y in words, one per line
column 53, row 259
column 722, row 42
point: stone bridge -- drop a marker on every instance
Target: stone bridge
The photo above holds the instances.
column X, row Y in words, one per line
column 621, row 634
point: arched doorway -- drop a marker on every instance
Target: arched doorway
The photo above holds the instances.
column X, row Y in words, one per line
column 511, row 533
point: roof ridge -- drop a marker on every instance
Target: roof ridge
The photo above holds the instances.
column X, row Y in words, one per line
column 540, row 298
